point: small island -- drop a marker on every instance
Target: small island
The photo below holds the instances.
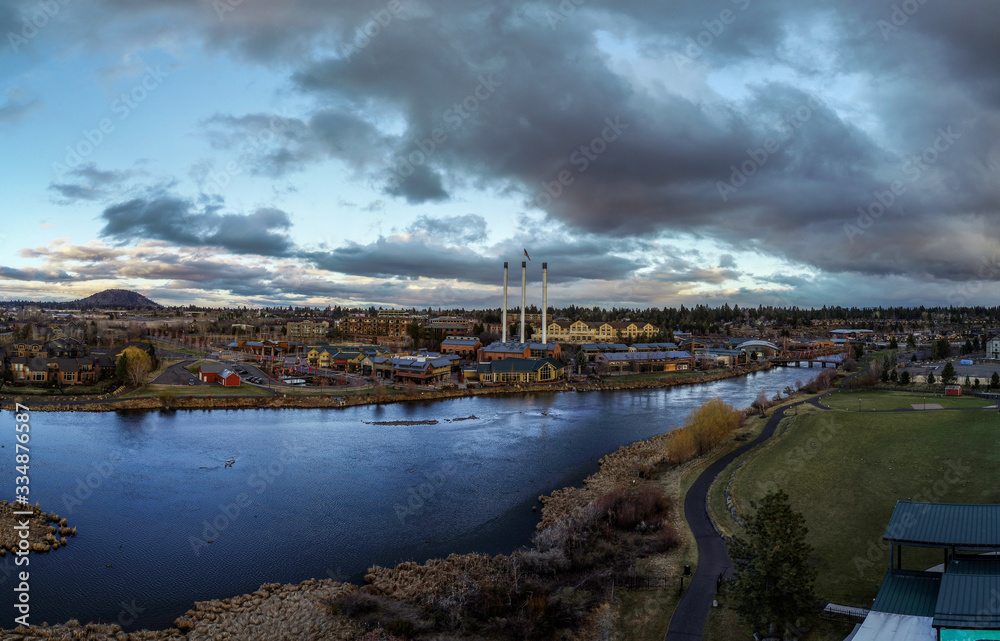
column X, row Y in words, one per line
column 46, row 531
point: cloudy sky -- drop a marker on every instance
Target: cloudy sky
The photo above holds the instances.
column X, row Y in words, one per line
column 315, row 152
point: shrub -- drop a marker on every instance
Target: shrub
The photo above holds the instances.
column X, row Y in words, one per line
column 682, row 446
column 401, row 628
column 626, row 509
column 712, row 423
column 356, row 604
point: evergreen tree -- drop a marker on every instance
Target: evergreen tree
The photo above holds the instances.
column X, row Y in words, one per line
column 995, row 381
column 773, row 583
column 948, row 374
column 930, row 378
column 904, row 378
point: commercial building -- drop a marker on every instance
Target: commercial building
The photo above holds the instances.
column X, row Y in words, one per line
column 640, row 362
column 520, row 371
column 375, row 329
column 306, row 330
column 579, row 331
column 466, row 347
column 499, row 351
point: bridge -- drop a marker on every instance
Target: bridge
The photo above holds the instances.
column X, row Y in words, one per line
column 796, row 358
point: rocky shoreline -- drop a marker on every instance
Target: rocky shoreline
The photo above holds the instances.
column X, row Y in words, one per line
column 338, row 402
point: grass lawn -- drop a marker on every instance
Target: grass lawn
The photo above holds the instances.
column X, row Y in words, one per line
column 68, row 390
column 724, row 625
column 892, row 400
column 845, row 471
column 176, row 348
column 183, row 391
column 193, row 367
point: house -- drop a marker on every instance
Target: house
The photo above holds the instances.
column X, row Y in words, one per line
column 993, row 347
column 520, row 371
column 218, row 373
column 727, row 357
column 421, row 370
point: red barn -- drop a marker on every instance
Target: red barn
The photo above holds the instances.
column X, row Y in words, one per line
column 218, row 373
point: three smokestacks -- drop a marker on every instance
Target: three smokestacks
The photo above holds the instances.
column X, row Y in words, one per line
column 524, row 283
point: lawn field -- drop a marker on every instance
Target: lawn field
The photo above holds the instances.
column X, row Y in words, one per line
column 183, row 391
column 845, row 471
column 892, row 400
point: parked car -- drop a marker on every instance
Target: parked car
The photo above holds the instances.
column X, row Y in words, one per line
column 190, row 381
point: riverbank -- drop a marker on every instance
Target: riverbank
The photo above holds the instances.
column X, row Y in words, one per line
column 74, row 404
column 41, row 537
column 626, row 516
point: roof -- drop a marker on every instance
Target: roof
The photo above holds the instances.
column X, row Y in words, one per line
column 506, row 348
column 968, row 601
column 603, row 346
column 758, row 343
column 540, row 345
column 882, row 626
column 518, row 365
column 980, row 565
column 913, row 594
column 723, row 352
column 945, row 525
column 655, row 346
column 460, row 340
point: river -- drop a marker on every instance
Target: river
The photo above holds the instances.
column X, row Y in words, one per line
column 312, row 493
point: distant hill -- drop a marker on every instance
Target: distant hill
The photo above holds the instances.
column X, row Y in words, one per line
column 122, row 298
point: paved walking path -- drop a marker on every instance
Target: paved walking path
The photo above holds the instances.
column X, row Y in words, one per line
column 689, row 618
column 713, row 555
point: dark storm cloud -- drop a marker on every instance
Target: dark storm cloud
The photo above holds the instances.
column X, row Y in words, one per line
column 177, row 221
column 30, row 274
column 517, row 97
column 470, row 228
column 418, row 258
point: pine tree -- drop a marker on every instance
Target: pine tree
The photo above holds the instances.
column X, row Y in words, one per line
column 948, row 374
column 773, row 583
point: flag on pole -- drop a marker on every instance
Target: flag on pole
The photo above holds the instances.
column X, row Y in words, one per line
column 526, row 254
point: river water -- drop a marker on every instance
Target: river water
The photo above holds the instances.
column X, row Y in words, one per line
column 312, row 493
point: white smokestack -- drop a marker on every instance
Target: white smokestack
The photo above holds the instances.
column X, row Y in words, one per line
column 503, row 322
column 524, row 283
column 545, row 302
